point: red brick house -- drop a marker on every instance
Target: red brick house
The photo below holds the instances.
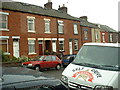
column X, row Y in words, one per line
column 86, row 30
column 29, row 30
column 108, row 35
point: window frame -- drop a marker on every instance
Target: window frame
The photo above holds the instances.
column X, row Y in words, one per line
column 85, row 34
column 103, row 37
column 47, row 26
column 75, row 29
column 31, row 43
column 6, row 14
column 111, row 37
column 33, row 24
column 60, row 27
column 76, row 44
column 7, row 43
column 62, row 45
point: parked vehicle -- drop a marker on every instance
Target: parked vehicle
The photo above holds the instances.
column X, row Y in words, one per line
column 96, row 67
column 67, row 59
column 44, row 61
column 18, row 78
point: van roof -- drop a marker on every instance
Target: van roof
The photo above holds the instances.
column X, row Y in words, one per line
column 104, row 44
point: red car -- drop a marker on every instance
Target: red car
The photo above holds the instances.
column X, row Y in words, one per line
column 44, row 61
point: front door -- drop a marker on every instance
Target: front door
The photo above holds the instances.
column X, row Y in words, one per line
column 70, row 47
column 16, row 48
column 48, row 45
column 54, row 46
column 40, row 47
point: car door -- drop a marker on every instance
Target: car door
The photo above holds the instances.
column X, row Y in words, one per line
column 54, row 61
column 47, row 62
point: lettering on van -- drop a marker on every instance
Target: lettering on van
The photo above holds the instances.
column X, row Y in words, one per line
column 78, row 69
column 85, row 75
column 96, row 72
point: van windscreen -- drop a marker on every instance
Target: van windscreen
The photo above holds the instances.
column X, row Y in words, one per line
column 99, row 56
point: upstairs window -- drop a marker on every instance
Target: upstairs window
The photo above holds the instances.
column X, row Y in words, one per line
column 103, row 37
column 96, row 35
column 75, row 29
column 31, row 24
column 60, row 27
column 111, row 37
column 85, row 34
column 3, row 21
column 47, row 25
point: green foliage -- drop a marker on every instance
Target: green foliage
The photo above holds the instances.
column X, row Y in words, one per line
column 24, row 59
column 5, row 58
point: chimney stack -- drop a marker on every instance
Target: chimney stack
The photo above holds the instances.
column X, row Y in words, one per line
column 84, row 17
column 63, row 8
column 48, row 5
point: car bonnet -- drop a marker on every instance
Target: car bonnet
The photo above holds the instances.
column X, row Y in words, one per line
column 19, row 74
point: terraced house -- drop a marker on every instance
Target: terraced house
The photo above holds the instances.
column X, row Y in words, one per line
column 30, row 30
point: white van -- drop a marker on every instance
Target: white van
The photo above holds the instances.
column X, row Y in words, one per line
column 96, row 67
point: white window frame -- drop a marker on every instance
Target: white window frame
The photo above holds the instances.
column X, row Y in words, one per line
column 103, row 37
column 111, row 37
column 85, row 34
column 76, row 44
column 32, row 22
column 6, row 14
column 7, row 39
column 31, row 43
column 47, row 25
column 75, row 29
column 62, row 44
column 60, row 27
column 96, row 35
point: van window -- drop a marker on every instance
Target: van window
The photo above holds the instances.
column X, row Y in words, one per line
column 98, row 56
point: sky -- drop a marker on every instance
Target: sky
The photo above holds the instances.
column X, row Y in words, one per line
column 103, row 12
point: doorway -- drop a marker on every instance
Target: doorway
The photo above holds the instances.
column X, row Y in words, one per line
column 16, row 52
column 70, row 47
column 48, row 45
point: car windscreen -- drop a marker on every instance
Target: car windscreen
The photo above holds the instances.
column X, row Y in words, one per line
column 98, row 56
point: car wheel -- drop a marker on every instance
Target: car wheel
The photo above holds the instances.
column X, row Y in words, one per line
column 37, row 68
column 58, row 67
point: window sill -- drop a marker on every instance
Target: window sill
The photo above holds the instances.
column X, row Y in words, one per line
column 76, row 50
column 61, row 33
column 6, row 53
column 2, row 29
column 32, row 31
column 32, row 53
column 62, row 50
column 47, row 32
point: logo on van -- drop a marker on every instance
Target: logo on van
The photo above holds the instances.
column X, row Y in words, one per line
column 86, row 75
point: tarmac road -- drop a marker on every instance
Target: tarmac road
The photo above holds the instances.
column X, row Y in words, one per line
column 54, row 73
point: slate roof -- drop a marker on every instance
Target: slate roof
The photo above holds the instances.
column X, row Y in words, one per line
column 34, row 9
column 87, row 24
column 106, row 28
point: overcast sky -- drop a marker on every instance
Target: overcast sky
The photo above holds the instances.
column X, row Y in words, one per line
column 98, row 11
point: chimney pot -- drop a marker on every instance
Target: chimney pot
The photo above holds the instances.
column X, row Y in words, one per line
column 63, row 8
column 63, row 5
column 84, row 17
column 48, row 5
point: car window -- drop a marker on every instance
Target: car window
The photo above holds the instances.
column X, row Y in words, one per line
column 41, row 58
column 47, row 58
column 53, row 58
